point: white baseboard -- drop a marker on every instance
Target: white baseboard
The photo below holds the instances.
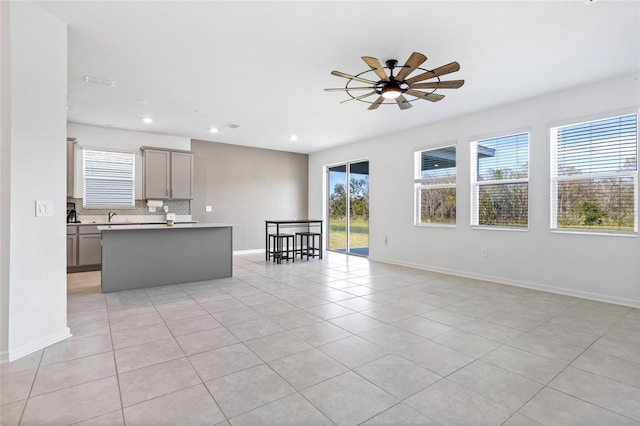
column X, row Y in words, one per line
column 599, row 297
column 253, row 251
column 34, row 346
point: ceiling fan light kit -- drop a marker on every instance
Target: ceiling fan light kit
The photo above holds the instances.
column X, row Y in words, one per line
column 394, row 87
column 391, row 92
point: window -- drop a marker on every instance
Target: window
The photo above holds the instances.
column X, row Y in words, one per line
column 108, row 179
column 500, row 182
column 436, row 186
column 594, row 175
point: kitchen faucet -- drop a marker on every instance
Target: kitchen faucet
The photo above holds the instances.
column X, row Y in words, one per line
column 110, row 215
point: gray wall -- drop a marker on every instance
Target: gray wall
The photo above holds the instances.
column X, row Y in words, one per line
column 246, row 186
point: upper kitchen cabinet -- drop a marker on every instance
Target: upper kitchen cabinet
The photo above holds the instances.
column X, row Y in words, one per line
column 181, row 175
column 70, row 166
column 167, row 174
column 156, row 167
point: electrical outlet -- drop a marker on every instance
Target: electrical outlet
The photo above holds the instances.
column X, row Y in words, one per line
column 208, row 209
column 484, row 252
column 166, row 209
column 152, row 209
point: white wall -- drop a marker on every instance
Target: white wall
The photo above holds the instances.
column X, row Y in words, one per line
column 593, row 266
column 5, row 150
column 37, row 305
column 104, row 137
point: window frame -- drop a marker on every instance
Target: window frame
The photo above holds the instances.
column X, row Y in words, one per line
column 555, row 178
column 476, row 184
column 421, row 183
column 132, row 179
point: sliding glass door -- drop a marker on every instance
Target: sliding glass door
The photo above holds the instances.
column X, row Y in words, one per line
column 337, row 203
column 348, row 208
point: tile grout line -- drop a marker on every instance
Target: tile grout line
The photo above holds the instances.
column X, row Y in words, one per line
column 272, row 288
column 115, row 364
column 26, row 402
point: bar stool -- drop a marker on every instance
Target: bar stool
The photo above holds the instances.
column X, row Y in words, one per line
column 277, row 243
column 308, row 245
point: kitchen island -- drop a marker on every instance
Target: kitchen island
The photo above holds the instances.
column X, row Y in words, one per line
column 139, row 256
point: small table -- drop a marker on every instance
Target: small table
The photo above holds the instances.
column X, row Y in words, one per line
column 292, row 223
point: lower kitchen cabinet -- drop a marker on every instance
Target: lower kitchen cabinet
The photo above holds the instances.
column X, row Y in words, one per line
column 84, row 248
column 72, row 250
column 89, row 249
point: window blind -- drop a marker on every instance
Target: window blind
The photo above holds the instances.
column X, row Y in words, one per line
column 503, row 158
column 438, row 165
column 594, row 175
column 500, row 181
column 604, row 146
column 108, row 178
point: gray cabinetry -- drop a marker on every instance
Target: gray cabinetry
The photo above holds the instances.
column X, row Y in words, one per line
column 152, row 255
column 167, row 174
column 156, row 169
column 70, row 166
column 84, row 248
column 181, row 175
column 72, row 246
column 89, row 249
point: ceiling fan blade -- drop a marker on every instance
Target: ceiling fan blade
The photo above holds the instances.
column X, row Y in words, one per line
column 403, row 103
column 453, row 84
column 376, row 66
column 344, row 89
column 415, row 60
column 377, row 103
column 352, row 77
column 433, row 97
column 357, row 98
column 445, row 69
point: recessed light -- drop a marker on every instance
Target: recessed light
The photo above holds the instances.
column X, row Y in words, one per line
column 293, row 138
column 213, row 130
column 147, row 120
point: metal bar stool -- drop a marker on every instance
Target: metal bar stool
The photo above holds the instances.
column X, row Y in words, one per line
column 277, row 250
column 308, row 245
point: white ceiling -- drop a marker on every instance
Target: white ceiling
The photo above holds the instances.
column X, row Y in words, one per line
column 263, row 65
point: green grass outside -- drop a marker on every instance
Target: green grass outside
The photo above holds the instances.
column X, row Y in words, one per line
column 359, row 236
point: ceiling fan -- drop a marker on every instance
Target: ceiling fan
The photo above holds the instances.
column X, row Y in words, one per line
column 395, row 87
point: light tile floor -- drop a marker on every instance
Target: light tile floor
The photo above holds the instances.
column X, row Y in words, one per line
column 339, row 341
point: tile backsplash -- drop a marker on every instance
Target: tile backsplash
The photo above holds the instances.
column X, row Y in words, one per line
column 179, row 207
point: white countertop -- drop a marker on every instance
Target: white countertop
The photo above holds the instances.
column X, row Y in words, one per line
column 155, row 222
column 122, row 219
column 163, row 226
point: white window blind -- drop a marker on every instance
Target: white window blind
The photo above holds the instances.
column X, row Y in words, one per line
column 594, row 175
column 435, row 186
column 500, row 181
column 108, row 179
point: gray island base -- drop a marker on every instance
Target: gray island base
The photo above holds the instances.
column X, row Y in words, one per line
column 139, row 256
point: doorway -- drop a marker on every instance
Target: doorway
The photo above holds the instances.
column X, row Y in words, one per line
column 348, row 208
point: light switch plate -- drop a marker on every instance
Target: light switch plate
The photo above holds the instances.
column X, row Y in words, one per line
column 44, row 208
